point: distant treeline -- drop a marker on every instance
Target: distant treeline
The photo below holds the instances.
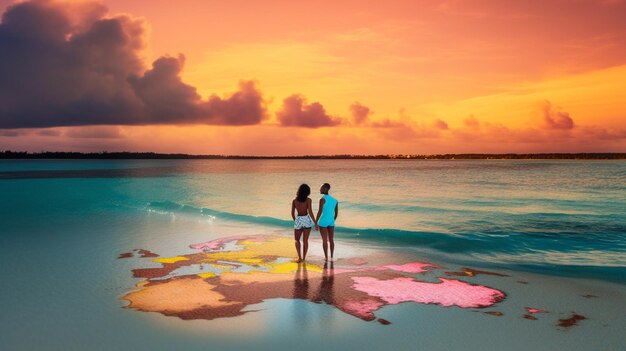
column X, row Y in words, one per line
column 151, row 155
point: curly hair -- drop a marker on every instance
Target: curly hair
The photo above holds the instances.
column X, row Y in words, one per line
column 303, row 192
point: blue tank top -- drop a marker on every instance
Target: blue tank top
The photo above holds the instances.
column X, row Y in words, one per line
column 327, row 219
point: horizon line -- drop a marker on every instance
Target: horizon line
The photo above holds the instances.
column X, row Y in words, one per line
column 10, row 154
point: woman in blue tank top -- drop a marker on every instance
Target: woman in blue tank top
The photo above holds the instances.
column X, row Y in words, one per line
column 325, row 219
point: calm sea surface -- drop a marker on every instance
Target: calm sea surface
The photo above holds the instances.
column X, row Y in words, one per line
column 63, row 223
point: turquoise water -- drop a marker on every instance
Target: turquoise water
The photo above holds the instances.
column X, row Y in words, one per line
column 562, row 217
column 63, row 223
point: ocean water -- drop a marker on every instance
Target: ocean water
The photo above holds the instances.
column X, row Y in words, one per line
column 64, row 222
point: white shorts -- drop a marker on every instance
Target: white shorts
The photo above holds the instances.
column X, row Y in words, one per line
column 303, row 222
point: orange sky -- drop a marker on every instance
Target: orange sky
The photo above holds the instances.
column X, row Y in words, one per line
column 437, row 76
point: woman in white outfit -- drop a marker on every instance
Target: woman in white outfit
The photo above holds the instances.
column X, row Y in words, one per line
column 302, row 214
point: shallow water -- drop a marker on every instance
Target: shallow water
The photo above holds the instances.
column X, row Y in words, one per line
column 63, row 223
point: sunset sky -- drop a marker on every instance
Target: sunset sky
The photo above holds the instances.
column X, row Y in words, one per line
column 313, row 77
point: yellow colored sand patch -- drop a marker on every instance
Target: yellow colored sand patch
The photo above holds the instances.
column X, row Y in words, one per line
column 248, row 242
column 251, row 260
column 239, row 279
column 263, row 252
column 176, row 296
column 289, row 267
column 206, row 275
column 170, row 259
column 142, row 283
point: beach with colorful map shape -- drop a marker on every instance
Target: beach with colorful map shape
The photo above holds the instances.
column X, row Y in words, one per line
column 225, row 276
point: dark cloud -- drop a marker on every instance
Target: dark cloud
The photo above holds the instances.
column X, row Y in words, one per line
column 66, row 64
column 164, row 95
column 360, row 113
column 241, row 108
column 556, row 119
column 296, row 112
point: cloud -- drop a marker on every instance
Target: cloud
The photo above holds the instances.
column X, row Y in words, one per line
column 471, row 122
column 555, row 119
column 8, row 133
column 538, row 138
column 388, row 123
column 405, row 127
column 244, row 107
column 297, row 113
column 360, row 113
column 599, row 133
column 68, row 64
column 394, row 129
column 167, row 99
column 49, row 132
column 94, row 132
column 393, row 123
column 441, row 124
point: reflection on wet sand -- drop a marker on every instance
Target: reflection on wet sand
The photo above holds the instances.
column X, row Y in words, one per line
column 323, row 291
column 301, row 283
column 326, row 293
column 301, row 291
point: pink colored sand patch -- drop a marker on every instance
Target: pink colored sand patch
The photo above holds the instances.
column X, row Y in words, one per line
column 535, row 310
column 414, row 267
column 219, row 243
column 211, row 245
column 357, row 261
column 364, row 308
column 448, row 292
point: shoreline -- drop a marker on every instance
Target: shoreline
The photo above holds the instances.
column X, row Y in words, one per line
column 367, row 237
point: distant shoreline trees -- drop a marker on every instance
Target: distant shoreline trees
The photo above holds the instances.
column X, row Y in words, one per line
column 8, row 154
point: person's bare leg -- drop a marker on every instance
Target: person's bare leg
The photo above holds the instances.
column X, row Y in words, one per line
column 331, row 235
column 297, row 233
column 305, row 243
column 324, row 232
